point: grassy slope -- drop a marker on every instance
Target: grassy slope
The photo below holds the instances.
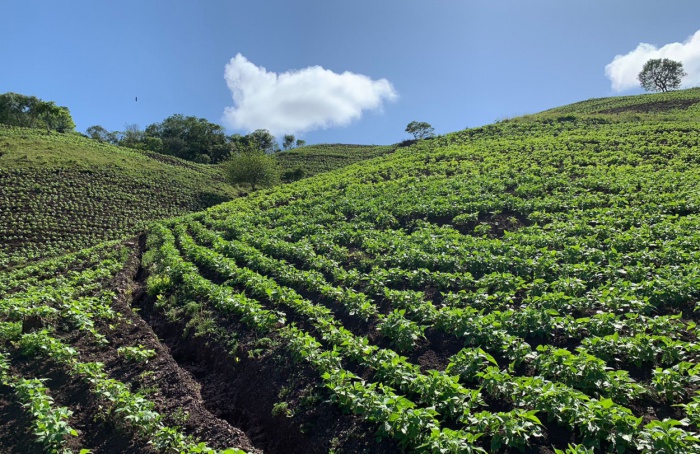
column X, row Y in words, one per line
column 60, row 193
column 314, row 159
column 671, row 105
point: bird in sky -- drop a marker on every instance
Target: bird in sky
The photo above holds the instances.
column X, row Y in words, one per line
column 136, row 98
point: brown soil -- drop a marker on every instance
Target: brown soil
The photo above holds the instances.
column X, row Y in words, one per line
column 174, row 391
column 279, row 404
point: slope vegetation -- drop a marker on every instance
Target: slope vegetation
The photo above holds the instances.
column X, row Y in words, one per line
column 84, row 372
column 314, row 159
column 526, row 286
column 670, row 105
column 61, row 193
column 531, row 283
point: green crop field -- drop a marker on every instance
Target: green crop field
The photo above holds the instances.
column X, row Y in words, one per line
column 60, row 193
column 527, row 286
column 314, row 159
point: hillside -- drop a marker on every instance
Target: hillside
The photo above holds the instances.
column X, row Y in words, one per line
column 315, row 159
column 674, row 104
column 61, row 193
column 527, row 286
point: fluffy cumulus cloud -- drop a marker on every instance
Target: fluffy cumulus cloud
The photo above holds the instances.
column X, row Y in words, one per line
column 298, row 101
column 623, row 70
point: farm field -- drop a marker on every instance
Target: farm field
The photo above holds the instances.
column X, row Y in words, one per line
column 527, row 286
column 313, row 159
column 61, row 193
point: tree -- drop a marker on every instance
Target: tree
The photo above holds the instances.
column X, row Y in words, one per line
column 263, row 141
column 301, row 143
column 288, row 141
column 100, row 134
column 31, row 112
column 420, row 130
column 18, row 110
column 132, row 136
column 190, row 138
column 54, row 117
column 254, row 167
column 661, row 74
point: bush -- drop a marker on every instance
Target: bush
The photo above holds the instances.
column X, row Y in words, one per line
column 253, row 167
column 293, row 175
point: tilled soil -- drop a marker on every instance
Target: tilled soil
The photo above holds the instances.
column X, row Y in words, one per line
column 175, row 393
column 279, row 404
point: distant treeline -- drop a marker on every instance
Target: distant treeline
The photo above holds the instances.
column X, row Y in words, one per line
column 191, row 138
column 32, row 112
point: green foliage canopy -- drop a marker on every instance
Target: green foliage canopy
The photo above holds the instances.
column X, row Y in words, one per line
column 288, row 141
column 263, row 141
column 420, row 129
column 191, row 138
column 661, row 74
column 100, row 134
column 32, row 112
column 253, row 167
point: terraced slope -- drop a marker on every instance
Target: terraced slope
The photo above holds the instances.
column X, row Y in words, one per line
column 683, row 103
column 81, row 372
column 61, row 193
column 529, row 286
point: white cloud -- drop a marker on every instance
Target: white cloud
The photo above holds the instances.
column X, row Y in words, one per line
column 623, row 70
column 298, row 101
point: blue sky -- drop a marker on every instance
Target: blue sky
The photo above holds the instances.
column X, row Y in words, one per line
column 452, row 63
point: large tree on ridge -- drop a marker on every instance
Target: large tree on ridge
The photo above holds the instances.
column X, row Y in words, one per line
column 661, row 74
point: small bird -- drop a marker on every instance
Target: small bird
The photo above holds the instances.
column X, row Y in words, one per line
column 136, row 98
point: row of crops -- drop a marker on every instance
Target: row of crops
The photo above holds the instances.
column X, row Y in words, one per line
column 682, row 103
column 57, row 331
column 45, row 212
column 527, row 285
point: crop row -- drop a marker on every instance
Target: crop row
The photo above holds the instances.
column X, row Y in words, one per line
column 392, row 369
column 647, row 339
column 38, row 305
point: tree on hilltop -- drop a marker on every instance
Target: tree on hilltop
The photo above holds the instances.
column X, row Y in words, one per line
column 54, row 117
column 32, row 112
column 288, row 142
column 661, row 74
column 420, row 129
column 132, row 136
column 260, row 139
column 100, row 134
column 263, row 140
column 191, row 138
